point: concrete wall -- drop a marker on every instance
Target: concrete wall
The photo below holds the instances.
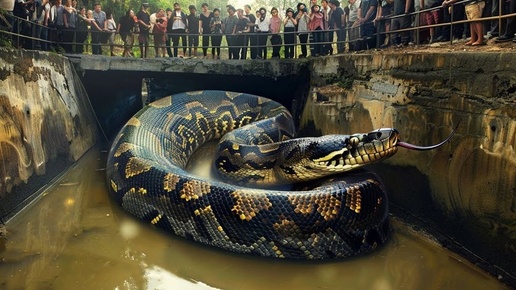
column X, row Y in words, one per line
column 467, row 188
column 46, row 123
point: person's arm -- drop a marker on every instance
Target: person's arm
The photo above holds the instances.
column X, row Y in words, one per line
column 46, row 17
column 65, row 19
column 359, row 17
column 369, row 13
column 408, row 3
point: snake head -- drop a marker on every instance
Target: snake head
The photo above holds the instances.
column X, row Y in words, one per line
column 339, row 153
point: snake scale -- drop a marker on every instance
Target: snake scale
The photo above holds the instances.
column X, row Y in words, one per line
column 341, row 216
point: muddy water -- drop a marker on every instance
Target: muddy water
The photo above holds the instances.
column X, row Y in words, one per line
column 74, row 237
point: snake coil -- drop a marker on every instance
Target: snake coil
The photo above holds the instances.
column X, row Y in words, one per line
column 338, row 217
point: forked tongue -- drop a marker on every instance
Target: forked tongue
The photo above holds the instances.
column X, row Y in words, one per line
column 424, row 148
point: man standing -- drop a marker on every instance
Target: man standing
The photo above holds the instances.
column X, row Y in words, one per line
column 338, row 23
column 100, row 19
column 401, row 7
column 366, row 15
column 354, row 31
column 250, row 39
column 144, row 24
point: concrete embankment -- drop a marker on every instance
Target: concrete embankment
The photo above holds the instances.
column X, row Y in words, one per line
column 46, row 123
column 465, row 189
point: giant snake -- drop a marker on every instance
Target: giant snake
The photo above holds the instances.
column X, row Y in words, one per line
column 340, row 216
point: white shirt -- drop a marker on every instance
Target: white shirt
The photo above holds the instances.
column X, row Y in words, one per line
column 263, row 25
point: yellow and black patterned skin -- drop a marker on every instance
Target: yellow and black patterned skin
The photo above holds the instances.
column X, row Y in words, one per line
column 342, row 216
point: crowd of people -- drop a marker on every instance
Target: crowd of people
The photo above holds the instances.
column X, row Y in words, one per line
column 317, row 29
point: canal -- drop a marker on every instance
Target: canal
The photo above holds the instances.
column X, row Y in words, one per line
column 75, row 237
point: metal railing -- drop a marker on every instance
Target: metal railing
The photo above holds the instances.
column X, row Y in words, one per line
column 26, row 34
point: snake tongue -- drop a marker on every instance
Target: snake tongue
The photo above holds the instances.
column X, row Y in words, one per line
column 424, row 148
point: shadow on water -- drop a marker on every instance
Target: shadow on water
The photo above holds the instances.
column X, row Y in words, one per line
column 74, row 237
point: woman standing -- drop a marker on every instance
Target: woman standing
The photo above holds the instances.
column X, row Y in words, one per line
column 274, row 28
column 205, row 29
column 302, row 27
column 289, row 30
column 160, row 33
column 216, row 33
column 69, row 21
column 316, row 25
column 82, row 30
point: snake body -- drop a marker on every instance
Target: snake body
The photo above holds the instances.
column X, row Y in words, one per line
column 339, row 217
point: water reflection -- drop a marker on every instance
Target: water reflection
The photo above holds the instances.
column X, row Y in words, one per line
column 74, row 237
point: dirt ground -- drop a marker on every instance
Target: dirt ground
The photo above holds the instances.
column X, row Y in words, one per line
column 456, row 46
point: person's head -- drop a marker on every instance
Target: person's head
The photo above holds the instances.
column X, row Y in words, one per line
column 144, row 6
column 109, row 15
column 289, row 12
column 168, row 11
column 231, row 10
column 301, row 7
column 89, row 14
column 334, row 4
column 160, row 13
column 274, row 12
column 205, row 7
column 82, row 11
column 68, row 3
column 192, row 9
column 315, row 8
column 247, row 8
column 258, row 14
column 216, row 12
column 313, row 2
column 97, row 7
column 177, row 7
column 240, row 13
column 324, row 4
column 263, row 12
